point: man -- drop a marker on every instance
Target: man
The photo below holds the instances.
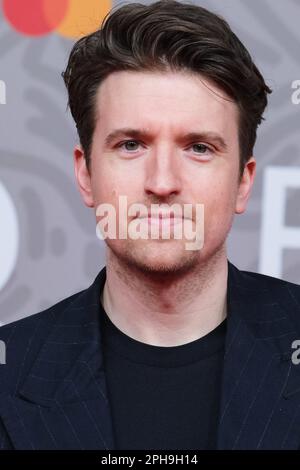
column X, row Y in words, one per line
column 169, row 348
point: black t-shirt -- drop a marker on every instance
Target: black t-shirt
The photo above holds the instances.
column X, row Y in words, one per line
column 163, row 398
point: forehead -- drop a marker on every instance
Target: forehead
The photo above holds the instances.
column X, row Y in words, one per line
column 164, row 101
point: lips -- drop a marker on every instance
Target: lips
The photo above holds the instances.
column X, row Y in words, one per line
column 163, row 215
column 163, row 220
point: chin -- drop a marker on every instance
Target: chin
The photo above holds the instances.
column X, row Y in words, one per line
column 162, row 260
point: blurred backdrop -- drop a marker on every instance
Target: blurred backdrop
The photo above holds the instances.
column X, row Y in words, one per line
column 48, row 243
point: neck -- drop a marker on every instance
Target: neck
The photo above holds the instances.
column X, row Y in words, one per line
column 163, row 311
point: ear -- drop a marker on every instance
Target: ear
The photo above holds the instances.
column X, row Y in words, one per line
column 245, row 186
column 83, row 177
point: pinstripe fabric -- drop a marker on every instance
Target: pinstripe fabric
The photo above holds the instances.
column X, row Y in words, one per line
column 53, row 392
column 260, row 402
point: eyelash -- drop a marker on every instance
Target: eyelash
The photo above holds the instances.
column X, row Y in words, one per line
column 210, row 149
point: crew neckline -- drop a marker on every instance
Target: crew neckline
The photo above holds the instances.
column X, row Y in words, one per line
column 119, row 342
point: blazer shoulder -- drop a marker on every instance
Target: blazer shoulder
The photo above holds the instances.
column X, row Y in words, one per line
column 48, row 315
column 285, row 293
column 26, row 336
column 22, row 340
column 271, row 281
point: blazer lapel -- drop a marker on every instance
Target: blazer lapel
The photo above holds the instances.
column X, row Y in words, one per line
column 260, row 391
column 63, row 403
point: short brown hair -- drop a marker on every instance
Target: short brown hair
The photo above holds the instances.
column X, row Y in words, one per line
column 165, row 35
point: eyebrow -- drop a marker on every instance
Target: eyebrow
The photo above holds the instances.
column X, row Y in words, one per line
column 143, row 133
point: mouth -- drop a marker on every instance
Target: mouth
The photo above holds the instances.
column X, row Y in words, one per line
column 163, row 219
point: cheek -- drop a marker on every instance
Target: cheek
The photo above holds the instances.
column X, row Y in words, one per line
column 105, row 183
column 219, row 205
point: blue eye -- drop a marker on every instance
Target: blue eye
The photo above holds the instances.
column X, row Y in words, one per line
column 128, row 144
column 201, row 147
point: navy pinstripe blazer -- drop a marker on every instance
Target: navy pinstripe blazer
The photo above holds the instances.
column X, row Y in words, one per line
column 54, row 392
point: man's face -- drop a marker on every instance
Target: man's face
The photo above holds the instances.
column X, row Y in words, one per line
column 162, row 162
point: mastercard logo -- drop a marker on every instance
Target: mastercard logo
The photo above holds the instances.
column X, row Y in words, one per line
column 68, row 18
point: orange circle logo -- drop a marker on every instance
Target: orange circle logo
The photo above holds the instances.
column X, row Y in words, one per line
column 68, row 18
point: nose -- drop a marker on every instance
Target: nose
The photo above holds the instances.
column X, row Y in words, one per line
column 163, row 173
